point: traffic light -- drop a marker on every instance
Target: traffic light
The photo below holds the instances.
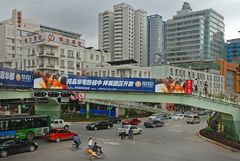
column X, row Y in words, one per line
column 40, row 94
column 66, row 94
column 53, row 94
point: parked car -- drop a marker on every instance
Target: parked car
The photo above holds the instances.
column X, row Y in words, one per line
column 153, row 116
column 136, row 130
column 187, row 113
column 17, row 146
column 193, row 119
column 178, row 117
column 60, row 123
column 59, row 134
column 200, row 113
column 153, row 123
column 100, row 125
column 114, row 120
column 131, row 122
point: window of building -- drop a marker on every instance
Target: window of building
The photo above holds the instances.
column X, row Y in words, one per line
column 33, row 51
column 33, row 62
column 16, row 64
column 113, row 73
column 78, row 54
column 29, row 62
column 171, row 71
column 140, row 74
column 78, row 65
column 61, row 52
column 97, row 57
column 70, row 54
column 176, row 72
column 70, row 64
column 104, row 74
column 91, row 56
column 62, row 63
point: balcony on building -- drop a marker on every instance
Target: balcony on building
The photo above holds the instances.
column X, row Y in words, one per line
column 47, row 66
column 47, row 53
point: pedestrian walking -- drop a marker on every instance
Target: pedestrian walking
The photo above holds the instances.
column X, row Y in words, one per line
column 130, row 134
column 195, row 85
column 122, row 133
column 206, row 88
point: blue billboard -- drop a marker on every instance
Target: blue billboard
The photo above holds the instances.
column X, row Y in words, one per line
column 15, row 78
column 110, row 84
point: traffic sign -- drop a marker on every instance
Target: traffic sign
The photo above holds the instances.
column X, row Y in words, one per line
column 81, row 96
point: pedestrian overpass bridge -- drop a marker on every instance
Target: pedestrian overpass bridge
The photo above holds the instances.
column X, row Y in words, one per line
column 229, row 109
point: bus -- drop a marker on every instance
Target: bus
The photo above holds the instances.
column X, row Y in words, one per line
column 24, row 127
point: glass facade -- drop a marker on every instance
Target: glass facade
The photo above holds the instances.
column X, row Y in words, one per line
column 155, row 39
column 230, row 81
column 233, row 51
column 194, row 36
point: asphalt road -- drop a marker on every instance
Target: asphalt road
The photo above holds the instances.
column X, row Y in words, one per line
column 177, row 141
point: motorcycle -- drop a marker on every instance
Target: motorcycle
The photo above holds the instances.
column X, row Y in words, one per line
column 91, row 155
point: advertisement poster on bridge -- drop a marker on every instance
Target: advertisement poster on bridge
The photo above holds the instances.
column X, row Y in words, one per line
column 111, row 84
column 189, row 86
column 89, row 83
column 170, row 85
column 16, row 78
column 45, row 80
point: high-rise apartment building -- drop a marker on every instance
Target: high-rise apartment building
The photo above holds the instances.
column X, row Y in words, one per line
column 130, row 34
column 194, row 36
column 106, row 31
column 155, row 40
column 140, row 35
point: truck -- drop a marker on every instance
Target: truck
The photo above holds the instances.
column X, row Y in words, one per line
column 60, row 123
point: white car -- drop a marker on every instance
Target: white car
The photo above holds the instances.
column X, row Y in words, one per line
column 136, row 130
column 154, row 116
column 178, row 117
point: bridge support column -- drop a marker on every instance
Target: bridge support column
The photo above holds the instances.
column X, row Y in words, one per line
column 231, row 126
column 52, row 108
column 236, row 119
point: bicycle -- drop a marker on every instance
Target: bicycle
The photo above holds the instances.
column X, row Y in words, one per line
column 75, row 147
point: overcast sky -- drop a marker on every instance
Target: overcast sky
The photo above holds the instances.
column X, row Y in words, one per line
column 81, row 16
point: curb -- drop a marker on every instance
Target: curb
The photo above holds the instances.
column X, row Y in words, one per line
column 219, row 144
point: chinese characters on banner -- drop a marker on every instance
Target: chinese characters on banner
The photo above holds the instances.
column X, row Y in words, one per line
column 50, row 37
column 189, row 88
column 16, row 78
column 110, row 84
column 19, row 19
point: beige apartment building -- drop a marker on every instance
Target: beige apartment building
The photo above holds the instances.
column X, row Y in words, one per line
column 28, row 45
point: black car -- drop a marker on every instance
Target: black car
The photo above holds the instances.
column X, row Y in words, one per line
column 153, row 123
column 114, row 120
column 16, row 146
column 99, row 125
